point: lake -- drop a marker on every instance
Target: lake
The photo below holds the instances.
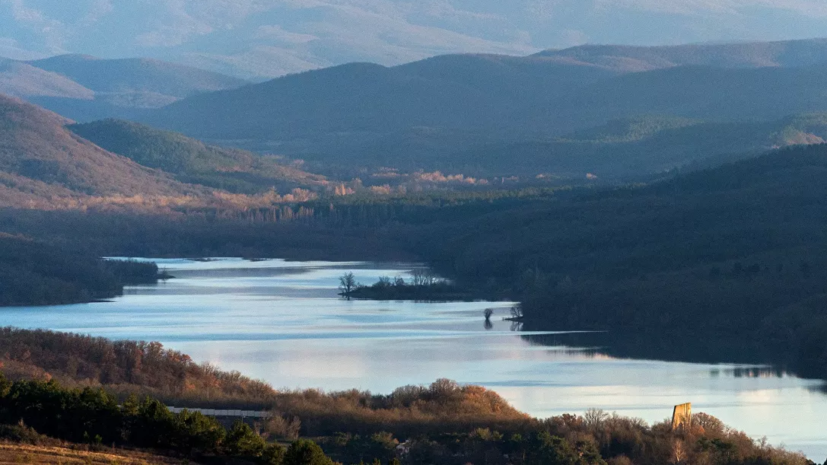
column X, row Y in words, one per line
column 284, row 323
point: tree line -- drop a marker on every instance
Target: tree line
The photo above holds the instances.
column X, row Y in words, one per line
column 443, row 423
column 94, row 416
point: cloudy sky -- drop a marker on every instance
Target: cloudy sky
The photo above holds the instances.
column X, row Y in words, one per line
column 260, row 38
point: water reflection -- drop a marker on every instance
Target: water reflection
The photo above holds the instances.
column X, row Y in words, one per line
column 751, row 372
column 284, row 323
column 680, row 346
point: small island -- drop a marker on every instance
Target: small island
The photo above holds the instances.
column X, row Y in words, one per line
column 423, row 285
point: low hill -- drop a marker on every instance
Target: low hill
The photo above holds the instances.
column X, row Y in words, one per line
column 84, row 88
column 136, row 75
column 366, row 100
column 714, row 94
column 433, row 114
column 726, row 251
column 35, row 273
column 734, row 55
column 621, row 149
column 44, row 165
column 192, row 161
column 23, row 80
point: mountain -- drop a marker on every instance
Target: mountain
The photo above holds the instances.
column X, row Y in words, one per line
column 722, row 94
column 23, row 80
column 192, row 161
column 461, row 112
column 44, row 165
column 465, row 91
column 736, row 55
column 627, row 148
column 83, row 88
column 136, row 75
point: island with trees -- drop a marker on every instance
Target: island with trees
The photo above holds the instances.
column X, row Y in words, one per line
column 423, row 285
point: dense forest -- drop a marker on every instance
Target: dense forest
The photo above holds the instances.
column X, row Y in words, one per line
column 442, row 423
column 35, row 273
column 194, row 162
column 737, row 250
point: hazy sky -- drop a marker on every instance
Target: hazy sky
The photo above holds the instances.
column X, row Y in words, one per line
column 271, row 37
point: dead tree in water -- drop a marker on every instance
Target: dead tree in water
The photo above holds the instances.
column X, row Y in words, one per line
column 347, row 284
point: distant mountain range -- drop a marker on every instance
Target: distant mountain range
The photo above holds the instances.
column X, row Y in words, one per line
column 85, row 88
column 480, row 115
column 632, row 59
column 437, row 113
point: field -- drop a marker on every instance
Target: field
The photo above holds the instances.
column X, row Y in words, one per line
column 22, row 453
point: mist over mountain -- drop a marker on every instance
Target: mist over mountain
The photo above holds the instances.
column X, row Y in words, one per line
column 261, row 39
column 86, row 88
column 790, row 53
column 616, row 112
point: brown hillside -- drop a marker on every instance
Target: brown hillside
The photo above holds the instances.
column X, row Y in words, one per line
column 43, row 164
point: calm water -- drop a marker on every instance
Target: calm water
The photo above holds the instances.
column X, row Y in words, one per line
column 283, row 322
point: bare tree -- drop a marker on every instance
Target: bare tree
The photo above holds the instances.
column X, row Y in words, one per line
column 420, row 277
column 347, row 283
column 594, row 418
column 424, row 277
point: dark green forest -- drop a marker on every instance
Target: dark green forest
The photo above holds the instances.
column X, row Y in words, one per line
column 35, row 273
column 194, row 162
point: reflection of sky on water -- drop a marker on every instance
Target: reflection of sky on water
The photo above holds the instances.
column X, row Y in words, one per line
column 283, row 322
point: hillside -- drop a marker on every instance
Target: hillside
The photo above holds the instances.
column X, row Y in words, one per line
column 630, row 147
column 792, row 53
column 365, row 100
column 35, row 273
column 433, row 114
column 23, row 80
column 716, row 94
column 44, row 165
column 136, row 75
column 70, row 454
column 86, row 88
column 724, row 252
column 192, row 161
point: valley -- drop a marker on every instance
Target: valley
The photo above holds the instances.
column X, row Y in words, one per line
column 654, row 216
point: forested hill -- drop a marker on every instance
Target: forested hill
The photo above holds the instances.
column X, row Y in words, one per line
column 627, row 148
column 740, row 249
column 35, row 273
column 44, row 165
column 460, row 91
column 792, row 53
column 467, row 113
column 194, row 162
